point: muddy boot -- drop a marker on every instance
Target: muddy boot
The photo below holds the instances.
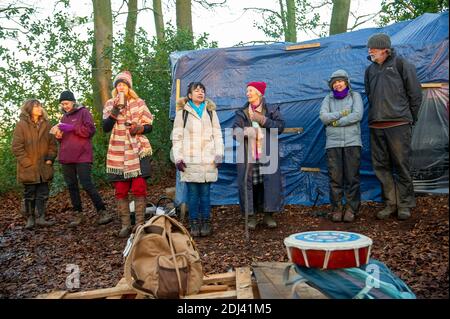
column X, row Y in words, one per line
column 336, row 214
column 195, row 227
column 403, row 213
column 252, row 222
column 123, row 208
column 40, row 221
column 29, row 213
column 269, row 221
column 205, row 229
column 139, row 211
column 78, row 219
column 349, row 216
column 386, row 212
column 104, row 217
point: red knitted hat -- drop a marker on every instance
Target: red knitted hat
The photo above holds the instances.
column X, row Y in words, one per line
column 260, row 86
column 124, row 77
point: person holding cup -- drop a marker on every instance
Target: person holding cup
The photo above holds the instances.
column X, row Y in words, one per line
column 128, row 118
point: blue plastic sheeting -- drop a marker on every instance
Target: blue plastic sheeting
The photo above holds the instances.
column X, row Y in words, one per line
column 297, row 80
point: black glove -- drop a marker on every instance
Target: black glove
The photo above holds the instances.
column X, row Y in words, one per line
column 180, row 165
column 115, row 111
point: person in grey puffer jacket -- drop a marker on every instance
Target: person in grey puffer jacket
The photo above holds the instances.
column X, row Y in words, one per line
column 395, row 97
column 341, row 112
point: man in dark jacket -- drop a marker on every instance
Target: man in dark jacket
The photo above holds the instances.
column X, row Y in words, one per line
column 395, row 96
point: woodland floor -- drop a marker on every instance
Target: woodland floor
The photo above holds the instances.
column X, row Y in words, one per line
column 38, row 261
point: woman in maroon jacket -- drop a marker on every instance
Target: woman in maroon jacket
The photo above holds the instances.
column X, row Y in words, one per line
column 74, row 133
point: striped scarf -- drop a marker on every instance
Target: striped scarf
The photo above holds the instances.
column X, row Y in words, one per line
column 256, row 143
column 124, row 150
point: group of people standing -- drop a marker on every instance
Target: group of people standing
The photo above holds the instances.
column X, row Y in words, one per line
column 394, row 95
column 127, row 164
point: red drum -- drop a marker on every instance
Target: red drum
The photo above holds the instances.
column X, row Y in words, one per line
column 328, row 249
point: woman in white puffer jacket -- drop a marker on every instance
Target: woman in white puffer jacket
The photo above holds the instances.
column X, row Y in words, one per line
column 197, row 151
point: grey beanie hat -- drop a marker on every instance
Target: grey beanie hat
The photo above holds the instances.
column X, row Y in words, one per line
column 379, row 41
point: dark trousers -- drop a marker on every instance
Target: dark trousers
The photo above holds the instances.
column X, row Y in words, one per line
column 258, row 198
column 199, row 200
column 82, row 172
column 36, row 195
column 343, row 172
column 391, row 162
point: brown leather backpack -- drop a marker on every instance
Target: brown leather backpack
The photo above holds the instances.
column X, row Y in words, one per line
column 163, row 261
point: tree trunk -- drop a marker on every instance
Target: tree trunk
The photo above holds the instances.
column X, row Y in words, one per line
column 130, row 29
column 339, row 16
column 291, row 31
column 128, row 57
column 159, row 20
column 103, row 44
column 184, row 15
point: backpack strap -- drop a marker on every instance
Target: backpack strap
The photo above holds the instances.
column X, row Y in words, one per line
column 185, row 116
column 186, row 113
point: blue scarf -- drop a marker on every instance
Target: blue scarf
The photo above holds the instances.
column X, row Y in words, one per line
column 198, row 109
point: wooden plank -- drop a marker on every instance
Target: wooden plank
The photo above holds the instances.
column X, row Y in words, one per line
column 310, row 169
column 101, row 293
column 121, row 282
column 432, row 85
column 302, row 46
column 213, row 288
column 293, row 130
column 220, row 278
column 53, row 295
column 230, row 294
column 177, row 90
column 244, row 283
column 269, row 276
column 265, row 287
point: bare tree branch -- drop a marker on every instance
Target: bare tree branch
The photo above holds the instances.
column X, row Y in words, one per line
column 264, row 10
column 366, row 17
column 210, row 5
column 407, row 6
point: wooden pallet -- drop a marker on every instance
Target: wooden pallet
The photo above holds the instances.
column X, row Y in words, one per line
column 270, row 282
column 230, row 285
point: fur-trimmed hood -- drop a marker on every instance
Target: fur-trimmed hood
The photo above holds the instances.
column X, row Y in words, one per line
column 181, row 102
column 26, row 117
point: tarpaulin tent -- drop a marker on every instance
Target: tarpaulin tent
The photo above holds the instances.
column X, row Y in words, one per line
column 296, row 77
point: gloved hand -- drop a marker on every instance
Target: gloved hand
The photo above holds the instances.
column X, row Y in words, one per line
column 335, row 123
column 115, row 111
column 255, row 116
column 218, row 160
column 180, row 165
column 136, row 129
column 345, row 112
column 66, row 127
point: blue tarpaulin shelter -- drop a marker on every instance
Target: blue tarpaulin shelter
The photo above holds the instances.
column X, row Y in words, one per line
column 297, row 80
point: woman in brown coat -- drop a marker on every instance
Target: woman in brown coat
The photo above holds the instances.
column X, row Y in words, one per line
column 35, row 150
